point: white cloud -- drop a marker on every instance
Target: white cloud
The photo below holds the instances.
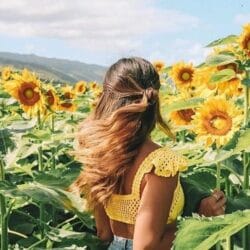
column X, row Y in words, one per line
column 107, row 25
column 182, row 50
column 241, row 19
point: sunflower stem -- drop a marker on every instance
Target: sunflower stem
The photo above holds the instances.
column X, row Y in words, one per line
column 53, row 165
column 245, row 171
column 41, row 168
column 4, row 217
column 246, row 97
column 227, row 187
column 218, row 174
column 41, row 206
column 245, row 239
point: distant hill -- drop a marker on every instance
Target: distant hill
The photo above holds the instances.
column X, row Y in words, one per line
column 54, row 69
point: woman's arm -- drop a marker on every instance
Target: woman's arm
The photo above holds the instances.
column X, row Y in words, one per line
column 104, row 231
column 150, row 228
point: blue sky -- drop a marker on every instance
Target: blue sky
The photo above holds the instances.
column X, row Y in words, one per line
column 102, row 31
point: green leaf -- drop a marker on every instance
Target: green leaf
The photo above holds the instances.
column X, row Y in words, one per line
column 223, row 75
column 202, row 233
column 241, row 201
column 39, row 135
column 6, row 141
column 246, row 82
column 57, row 178
column 216, row 60
column 183, row 104
column 242, row 144
column 222, row 41
column 196, row 186
column 49, row 194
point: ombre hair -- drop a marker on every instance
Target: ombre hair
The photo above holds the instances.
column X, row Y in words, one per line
column 110, row 137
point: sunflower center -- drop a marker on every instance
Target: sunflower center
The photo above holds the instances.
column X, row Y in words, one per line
column 219, row 124
column 186, row 114
column 80, row 88
column 248, row 44
column 28, row 93
column 50, row 98
column 186, row 76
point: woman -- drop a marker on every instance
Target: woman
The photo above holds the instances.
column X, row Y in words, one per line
column 131, row 183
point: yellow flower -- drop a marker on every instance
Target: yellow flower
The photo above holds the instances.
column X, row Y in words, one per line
column 182, row 74
column 202, row 78
column 158, row 65
column 244, row 39
column 182, row 117
column 95, row 88
column 52, row 100
column 26, row 88
column 231, row 88
column 80, row 87
column 66, row 104
column 216, row 120
column 6, row 73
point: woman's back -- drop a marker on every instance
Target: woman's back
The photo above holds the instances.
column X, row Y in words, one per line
column 129, row 181
column 123, row 229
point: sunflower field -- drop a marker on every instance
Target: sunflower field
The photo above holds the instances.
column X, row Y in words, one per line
column 207, row 108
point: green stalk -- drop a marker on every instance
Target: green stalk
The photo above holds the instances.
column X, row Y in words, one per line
column 227, row 187
column 218, row 174
column 246, row 107
column 218, row 186
column 40, row 168
column 245, row 170
column 245, row 239
column 4, row 217
column 53, row 166
column 228, row 243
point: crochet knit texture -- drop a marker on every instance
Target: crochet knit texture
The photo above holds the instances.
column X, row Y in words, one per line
column 165, row 162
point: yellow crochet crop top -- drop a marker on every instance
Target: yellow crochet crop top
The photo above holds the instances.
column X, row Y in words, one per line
column 123, row 208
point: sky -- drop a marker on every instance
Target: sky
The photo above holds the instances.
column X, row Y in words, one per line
column 102, row 31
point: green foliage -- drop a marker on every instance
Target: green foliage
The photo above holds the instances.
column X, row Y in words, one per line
column 183, row 104
column 6, row 141
column 220, row 59
column 200, row 233
column 222, row 41
column 223, row 75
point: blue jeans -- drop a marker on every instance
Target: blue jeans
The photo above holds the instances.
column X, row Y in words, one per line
column 120, row 243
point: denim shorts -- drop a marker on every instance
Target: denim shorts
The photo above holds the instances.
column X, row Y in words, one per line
column 120, row 243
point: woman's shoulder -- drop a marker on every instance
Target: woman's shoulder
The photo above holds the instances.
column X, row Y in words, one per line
column 167, row 162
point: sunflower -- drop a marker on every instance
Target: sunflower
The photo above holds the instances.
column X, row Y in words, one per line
column 182, row 117
column 202, row 78
column 232, row 87
column 182, row 74
column 95, row 89
column 6, row 73
column 244, row 39
column 26, row 88
column 66, row 104
column 80, row 87
column 216, row 120
column 158, row 65
column 52, row 100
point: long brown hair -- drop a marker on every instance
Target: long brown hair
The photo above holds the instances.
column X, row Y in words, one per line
column 110, row 137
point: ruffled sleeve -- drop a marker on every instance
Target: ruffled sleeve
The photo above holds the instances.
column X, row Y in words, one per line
column 168, row 162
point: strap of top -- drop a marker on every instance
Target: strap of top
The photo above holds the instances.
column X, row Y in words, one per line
column 166, row 163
